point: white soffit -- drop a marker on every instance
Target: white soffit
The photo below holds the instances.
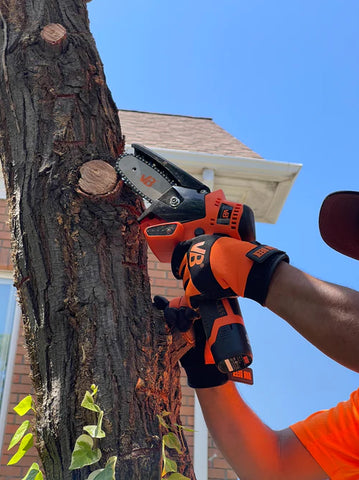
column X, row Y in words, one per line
column 262, row 184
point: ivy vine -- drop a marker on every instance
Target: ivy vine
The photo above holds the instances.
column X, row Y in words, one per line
column 171, row 440
column 25, row 440
column 86, row 451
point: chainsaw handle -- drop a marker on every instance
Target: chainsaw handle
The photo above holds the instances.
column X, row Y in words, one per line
column 226, row 334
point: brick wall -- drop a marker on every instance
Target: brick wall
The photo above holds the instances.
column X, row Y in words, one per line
column 21, row 383
column 21, row 387
column 162, row 283
column 5, row 254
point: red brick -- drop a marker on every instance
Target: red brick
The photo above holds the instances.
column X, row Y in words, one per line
column 159, row 291
column 19, row 388
column 214, row 473
column 158, row 274
column 165, row 282
column 5, row 259
column 185, row 410
column 26, row 380
column 5, row 234
column 22, row 369
column 219, row 462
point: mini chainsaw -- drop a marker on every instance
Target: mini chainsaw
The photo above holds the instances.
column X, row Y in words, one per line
column 182, row 208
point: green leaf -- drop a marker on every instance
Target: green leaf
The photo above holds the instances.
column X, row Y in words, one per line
column 95, row 474
column 107, row 473
column 112, row 462
column 83, row 453
column 24, row 406
column 94, row 389
column 20, row 432
column 96, row 430
column 26, row 443
column 177, row 476
column 168, row 466
column 172, row 441
column 89, row 403
column 33, row 473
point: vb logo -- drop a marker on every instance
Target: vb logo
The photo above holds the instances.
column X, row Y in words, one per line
column 196, row 254
column 148, row 181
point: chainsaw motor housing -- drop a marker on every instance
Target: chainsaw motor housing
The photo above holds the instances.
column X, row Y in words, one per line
column 181, row 214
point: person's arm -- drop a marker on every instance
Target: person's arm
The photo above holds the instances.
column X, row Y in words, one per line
column 327, row 315
column 254, row 451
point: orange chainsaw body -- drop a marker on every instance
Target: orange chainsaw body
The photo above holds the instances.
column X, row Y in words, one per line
column 221, row 217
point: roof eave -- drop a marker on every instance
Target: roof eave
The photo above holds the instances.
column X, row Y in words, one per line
column 262, row 184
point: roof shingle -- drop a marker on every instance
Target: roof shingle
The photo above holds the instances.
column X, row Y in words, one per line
column 179, row 132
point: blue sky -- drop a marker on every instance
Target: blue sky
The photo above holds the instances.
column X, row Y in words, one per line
column 283, row 77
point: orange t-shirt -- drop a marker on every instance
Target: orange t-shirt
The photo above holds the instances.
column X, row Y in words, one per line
column 332, row 438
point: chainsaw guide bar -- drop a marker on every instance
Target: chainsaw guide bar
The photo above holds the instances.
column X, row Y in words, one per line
column 151, row 175
column 143, row 176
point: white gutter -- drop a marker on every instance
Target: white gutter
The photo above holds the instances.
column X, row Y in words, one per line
column 248, row 167
column 262, row 184
column 200, row 450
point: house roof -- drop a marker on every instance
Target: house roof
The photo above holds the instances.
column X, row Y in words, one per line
column 180, row 132
column 212, row 155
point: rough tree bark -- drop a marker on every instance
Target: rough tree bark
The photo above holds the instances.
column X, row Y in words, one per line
column 79, row 262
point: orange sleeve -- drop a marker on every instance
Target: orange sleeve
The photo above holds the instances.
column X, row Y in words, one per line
column 332, row 438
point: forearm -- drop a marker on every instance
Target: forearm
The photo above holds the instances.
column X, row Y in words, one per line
column 324, row 313
column 238, row 432
column 252, row 449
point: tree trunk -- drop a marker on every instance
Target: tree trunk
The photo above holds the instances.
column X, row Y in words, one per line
column 79, row 260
